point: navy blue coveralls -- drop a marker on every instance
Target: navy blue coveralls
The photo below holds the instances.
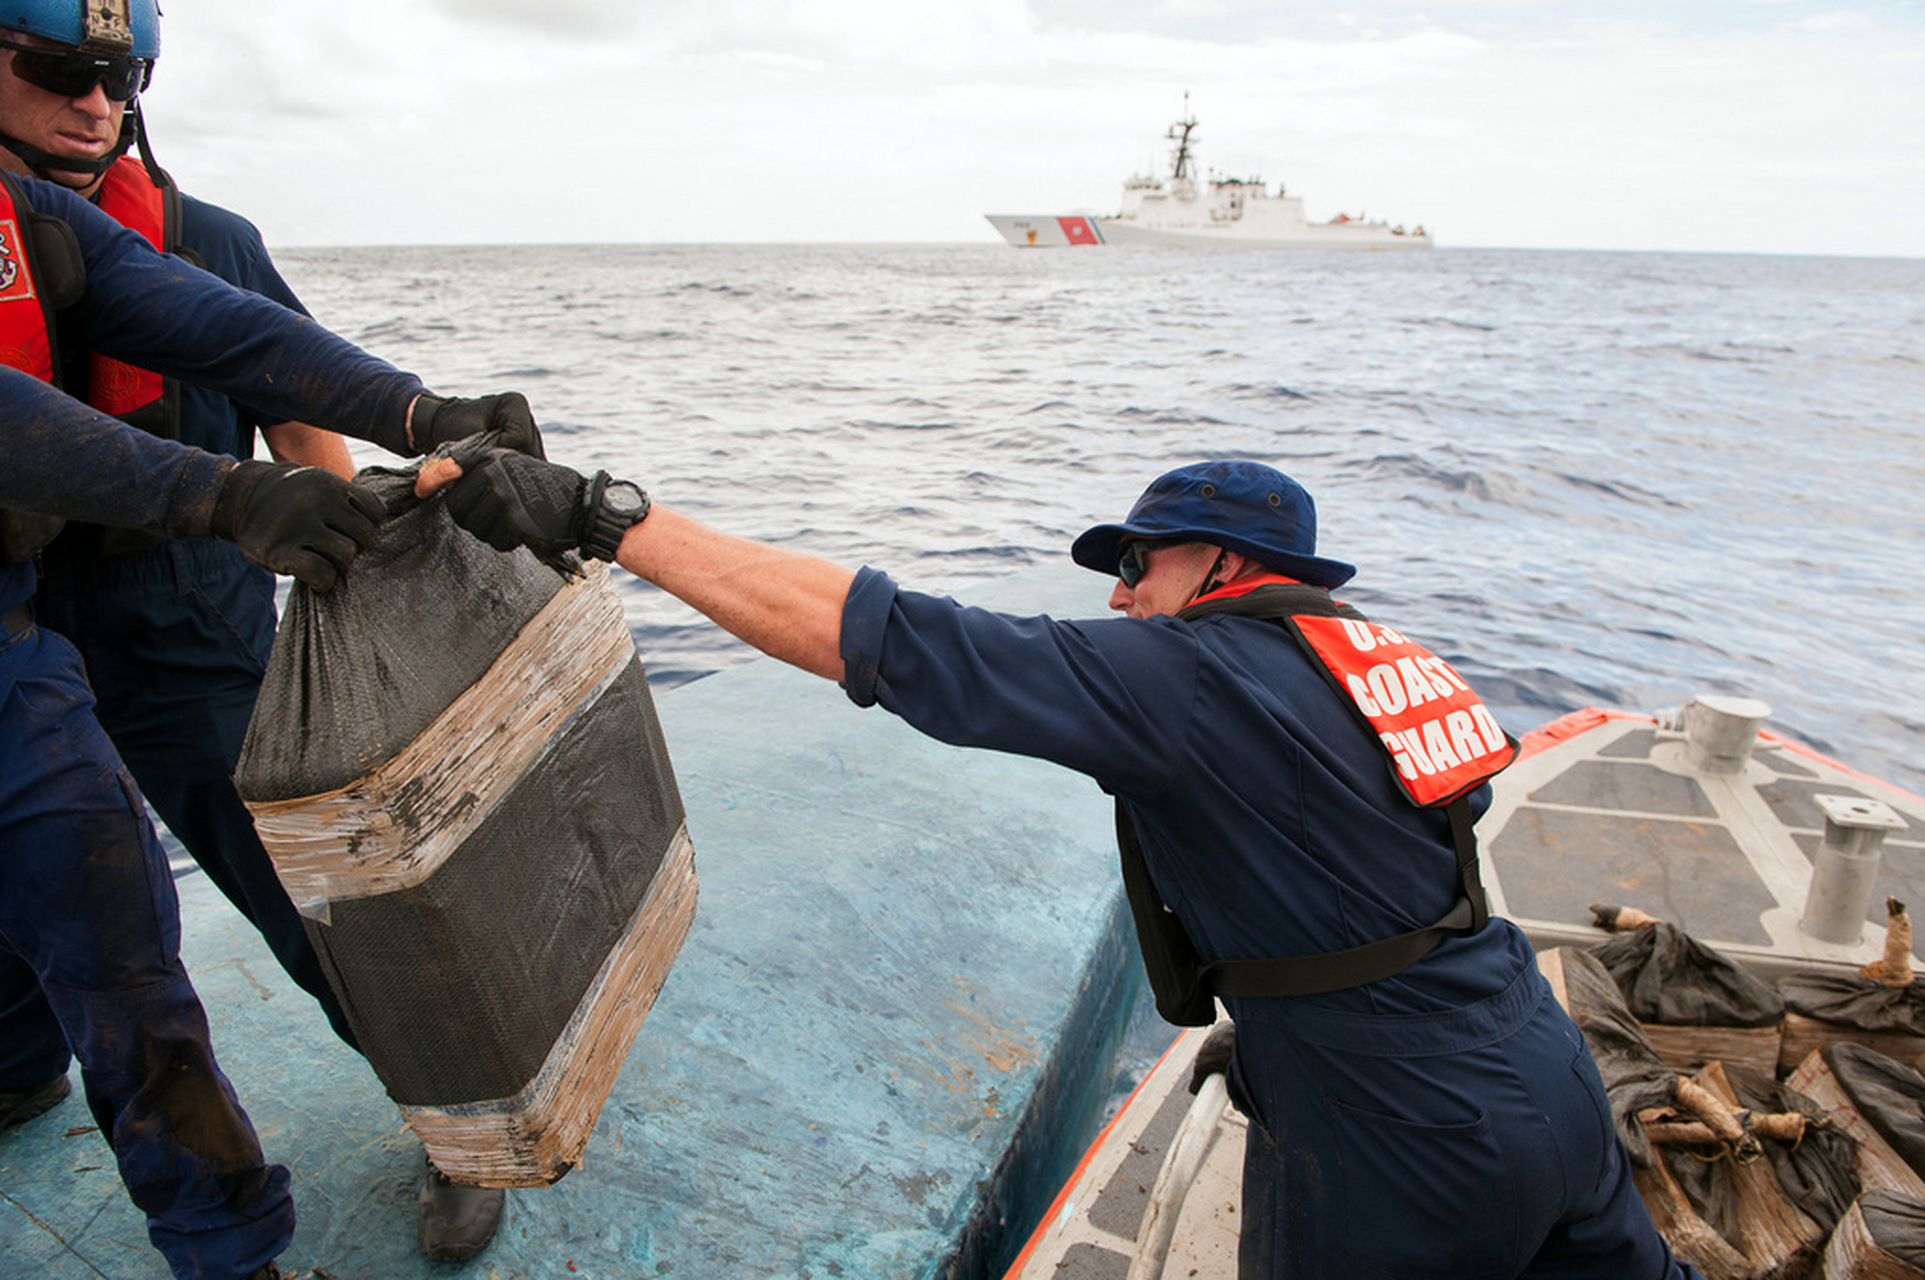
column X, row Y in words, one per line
column 86, row 899
column 1447, row 1121
column 175, row 638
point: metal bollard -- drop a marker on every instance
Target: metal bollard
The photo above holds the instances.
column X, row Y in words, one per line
column 1719, row 732
column 1845, row 873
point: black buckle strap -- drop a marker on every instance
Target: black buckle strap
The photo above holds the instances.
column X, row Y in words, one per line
column 1310, row 975
column 1335, row 970
column 1185, row 988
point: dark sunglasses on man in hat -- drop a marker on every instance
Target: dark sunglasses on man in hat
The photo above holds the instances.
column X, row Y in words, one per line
column 1133, row 558
column 73, row 74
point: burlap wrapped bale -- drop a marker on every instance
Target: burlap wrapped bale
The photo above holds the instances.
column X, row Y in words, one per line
column 1888, row 1094
column 1851, row 1001
column 1696, row 1005
column 1882, row 1238
column 1822, row 1009
column 1739, row 1194
column 1637, row 1081
column 1817, row 1171
column 1897, row 1226
column 1669, row 977
column 456, row 766
column 1736, row 1203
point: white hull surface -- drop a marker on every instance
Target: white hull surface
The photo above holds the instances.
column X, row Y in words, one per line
column 1043, row 231
column 1181, row 210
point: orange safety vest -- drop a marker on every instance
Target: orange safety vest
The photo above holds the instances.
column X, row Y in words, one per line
column 1440, row 736
column 138, row 201
column 36, row 280
column 26, row 343
column 26, row 329
column 27, row 304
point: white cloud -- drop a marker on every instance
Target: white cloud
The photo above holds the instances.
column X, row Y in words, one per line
column 1774, row 126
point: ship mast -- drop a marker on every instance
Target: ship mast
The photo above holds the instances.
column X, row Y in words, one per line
column 1182, row 164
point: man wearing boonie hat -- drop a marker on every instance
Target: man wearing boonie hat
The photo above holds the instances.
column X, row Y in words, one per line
column 1295, row 784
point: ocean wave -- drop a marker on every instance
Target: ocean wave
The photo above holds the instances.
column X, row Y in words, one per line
column 1597, row 477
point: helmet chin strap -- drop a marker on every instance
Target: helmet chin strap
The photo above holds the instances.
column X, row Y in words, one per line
column 45, row 163
column 1209, row 582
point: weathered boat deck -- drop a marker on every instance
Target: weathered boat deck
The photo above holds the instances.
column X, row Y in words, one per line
column 894, row 940
column 1612, row 812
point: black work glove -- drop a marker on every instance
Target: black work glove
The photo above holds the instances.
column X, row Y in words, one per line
column 1213, row 1055
column 438, row 421
column 511, row 500
column 302, row 521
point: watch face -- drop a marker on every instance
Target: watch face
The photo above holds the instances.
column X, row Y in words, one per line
column 622, row 498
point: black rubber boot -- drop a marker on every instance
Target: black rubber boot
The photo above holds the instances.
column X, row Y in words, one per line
column 456, row 1220
column 17, row 1106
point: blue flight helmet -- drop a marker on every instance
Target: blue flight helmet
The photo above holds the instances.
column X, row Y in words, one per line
column 104, row 28
column 1244, row 507
column 127, row 27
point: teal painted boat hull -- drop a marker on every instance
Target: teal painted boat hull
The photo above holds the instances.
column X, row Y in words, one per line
column 888, row 1035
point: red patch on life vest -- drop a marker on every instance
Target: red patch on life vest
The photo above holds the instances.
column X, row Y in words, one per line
column 121, row 388
column 16, row 283
column 1440, row 736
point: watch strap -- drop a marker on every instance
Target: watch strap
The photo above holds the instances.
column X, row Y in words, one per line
column 602, row 529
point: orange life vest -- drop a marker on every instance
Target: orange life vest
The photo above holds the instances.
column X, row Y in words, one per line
column 26, row 332
column 28, row 297
column 26, row 343
column 134, row 199
column 1440, row 736
column 41, row 272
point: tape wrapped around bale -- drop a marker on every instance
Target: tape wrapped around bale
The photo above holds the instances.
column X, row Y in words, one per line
column 456, row 766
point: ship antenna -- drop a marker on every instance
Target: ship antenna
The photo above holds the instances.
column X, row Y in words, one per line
column 1182, row 165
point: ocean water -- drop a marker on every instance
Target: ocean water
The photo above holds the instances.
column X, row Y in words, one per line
column 1583, row 477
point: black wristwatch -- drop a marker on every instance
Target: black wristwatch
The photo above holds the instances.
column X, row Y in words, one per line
column 613, row 508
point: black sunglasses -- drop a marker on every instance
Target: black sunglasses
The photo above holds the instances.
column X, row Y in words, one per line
column 1133, row 559
column 73, row 74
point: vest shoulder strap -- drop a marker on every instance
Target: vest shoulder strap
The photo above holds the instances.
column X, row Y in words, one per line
column 1183, row 996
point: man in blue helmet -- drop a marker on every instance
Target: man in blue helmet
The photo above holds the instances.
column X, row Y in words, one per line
column 1295, row 784
column 175, row 634
column 86, row 898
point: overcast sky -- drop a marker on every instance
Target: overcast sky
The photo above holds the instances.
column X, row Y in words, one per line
column 1773, row 126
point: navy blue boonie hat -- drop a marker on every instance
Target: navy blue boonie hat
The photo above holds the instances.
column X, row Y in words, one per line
column 1240, row 506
